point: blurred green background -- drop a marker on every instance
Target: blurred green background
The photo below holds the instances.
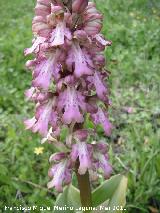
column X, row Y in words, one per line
column 133, row 59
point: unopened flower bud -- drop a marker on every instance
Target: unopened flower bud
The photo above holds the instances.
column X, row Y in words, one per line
column 78, row 6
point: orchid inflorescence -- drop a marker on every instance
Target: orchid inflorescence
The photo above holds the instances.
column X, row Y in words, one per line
column 68, row 86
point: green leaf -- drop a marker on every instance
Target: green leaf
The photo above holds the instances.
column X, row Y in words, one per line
column 3, row 169
column 158, row 165
column 119, row 197
column 113, row 190
column 5, row 179
column 102, row 207
column 70, row 198
column 21, row 187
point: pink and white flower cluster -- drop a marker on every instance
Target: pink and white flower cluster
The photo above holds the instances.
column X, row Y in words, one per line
column 68, row 84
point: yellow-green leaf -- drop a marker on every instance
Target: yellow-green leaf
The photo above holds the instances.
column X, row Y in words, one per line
column 106, row 190
column 118, row 199
column 69, row 198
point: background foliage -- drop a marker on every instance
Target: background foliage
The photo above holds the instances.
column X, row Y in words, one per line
column 133, row 59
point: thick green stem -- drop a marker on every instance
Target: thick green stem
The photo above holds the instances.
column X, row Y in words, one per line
column 85, row 188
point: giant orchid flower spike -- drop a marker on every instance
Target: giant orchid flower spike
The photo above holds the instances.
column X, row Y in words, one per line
column 69, row 83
